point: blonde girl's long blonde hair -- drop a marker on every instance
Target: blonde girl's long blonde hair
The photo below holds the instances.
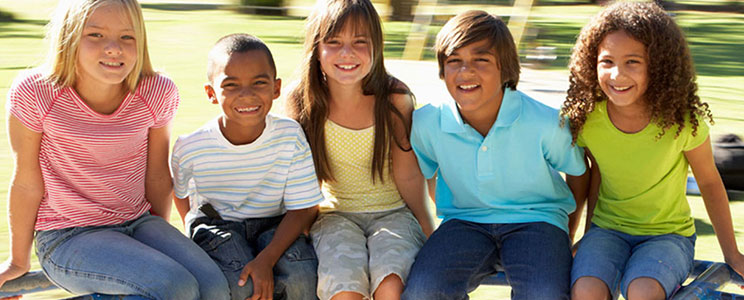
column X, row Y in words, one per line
column 65, row 31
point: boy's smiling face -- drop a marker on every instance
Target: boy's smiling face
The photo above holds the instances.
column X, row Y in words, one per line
column 473, row 78
column 245, row 87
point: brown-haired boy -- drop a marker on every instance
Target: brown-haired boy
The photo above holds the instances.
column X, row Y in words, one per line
column 496, row 152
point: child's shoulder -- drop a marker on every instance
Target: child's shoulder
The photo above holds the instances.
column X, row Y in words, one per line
column 535, row 109
column 151, row 86
column 33, row 80
column 199, row 136
column 430, row 113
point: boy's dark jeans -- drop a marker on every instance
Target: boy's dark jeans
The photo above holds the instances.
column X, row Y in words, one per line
column 233, row 244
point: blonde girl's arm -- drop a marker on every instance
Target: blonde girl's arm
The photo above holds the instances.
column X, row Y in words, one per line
column 716, row 202
column 406, row 172
column 158, row 184
column 26, row 191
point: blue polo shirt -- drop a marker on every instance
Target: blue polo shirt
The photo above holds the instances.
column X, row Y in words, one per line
column 510, row 176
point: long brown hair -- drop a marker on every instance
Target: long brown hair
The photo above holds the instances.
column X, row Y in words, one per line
column 672, row 92
column 308, row 103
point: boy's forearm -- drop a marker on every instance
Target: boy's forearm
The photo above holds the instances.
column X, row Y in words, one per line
column 293, row 223
column 182, row 206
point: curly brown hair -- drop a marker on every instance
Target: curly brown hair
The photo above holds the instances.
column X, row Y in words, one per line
column 672, row 91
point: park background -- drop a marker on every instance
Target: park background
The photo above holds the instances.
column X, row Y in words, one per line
column 180, row 33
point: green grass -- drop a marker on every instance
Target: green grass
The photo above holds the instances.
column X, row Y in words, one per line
column 179, row 38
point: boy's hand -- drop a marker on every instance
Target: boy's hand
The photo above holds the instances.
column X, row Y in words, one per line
column 263, row 278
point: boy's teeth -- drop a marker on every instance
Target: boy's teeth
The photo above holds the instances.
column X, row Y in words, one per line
column 468, row 87
column 247, row 109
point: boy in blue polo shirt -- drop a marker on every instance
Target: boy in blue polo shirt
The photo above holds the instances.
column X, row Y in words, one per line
column 496, row 152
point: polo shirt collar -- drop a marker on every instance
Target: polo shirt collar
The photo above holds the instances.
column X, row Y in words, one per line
column 511, row 106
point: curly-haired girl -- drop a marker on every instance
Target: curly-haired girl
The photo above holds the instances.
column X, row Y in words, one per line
column 632, row 104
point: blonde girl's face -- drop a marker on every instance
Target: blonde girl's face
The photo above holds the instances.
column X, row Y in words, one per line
column 622, row 69
column 347, row 57
column 107, row 51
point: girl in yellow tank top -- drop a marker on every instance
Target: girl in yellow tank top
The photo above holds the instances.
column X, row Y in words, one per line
column 357, row 120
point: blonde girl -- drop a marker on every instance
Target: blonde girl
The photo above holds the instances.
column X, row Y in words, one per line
column 89, row 134
column 357, row 119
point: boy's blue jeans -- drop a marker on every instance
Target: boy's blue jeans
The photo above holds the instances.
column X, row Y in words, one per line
column 146, row 257
column 536, row 258
column 233, row 244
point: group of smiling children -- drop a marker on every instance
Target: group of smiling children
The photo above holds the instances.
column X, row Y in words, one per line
column 330, row 201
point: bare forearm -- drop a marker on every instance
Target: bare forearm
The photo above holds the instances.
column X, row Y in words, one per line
column 717, row 206
column 579, row 186
column 293, row 223
column 182, row 206
column 414, row 195
column 22, row 210
column 158, row 189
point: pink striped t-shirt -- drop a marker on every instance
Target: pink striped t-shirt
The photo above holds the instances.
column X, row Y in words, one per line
column 93, row 165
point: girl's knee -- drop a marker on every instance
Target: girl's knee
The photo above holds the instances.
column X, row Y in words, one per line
column 589, row 288
column 645, row 288
column 391, row 287
column 175, row 285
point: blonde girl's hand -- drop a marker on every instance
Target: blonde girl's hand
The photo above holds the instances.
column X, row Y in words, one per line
column 10, row 271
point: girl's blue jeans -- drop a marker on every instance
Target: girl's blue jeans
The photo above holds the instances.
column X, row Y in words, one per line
column 146, row 257
column 536, row 258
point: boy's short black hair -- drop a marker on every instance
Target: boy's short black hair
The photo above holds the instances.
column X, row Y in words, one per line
column 236, row 43
column 477, row 25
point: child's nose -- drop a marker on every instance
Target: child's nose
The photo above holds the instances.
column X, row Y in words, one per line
column 113, row 48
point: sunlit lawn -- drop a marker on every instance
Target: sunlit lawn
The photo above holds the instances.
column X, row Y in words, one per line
column 180, row 38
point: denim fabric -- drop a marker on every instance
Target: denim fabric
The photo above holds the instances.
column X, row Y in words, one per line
column 233, row 244
column 146, row 257
column 535, row 257
column 617, row 258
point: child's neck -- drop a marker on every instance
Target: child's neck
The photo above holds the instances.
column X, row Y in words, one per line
column 103, row 99
column 349, row 107
column 483, row 119
column 237, row 134
column 628, row 119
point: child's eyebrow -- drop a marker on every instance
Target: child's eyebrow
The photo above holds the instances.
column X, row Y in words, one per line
column 94, row 26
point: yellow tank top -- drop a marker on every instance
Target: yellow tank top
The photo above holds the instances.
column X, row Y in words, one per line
column 350, row 157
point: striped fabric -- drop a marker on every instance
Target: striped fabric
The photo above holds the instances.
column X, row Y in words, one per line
column 93, row 165
column 260, row 179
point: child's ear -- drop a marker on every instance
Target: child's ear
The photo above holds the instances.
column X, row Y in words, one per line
column 210, row 93
column 277, row 88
